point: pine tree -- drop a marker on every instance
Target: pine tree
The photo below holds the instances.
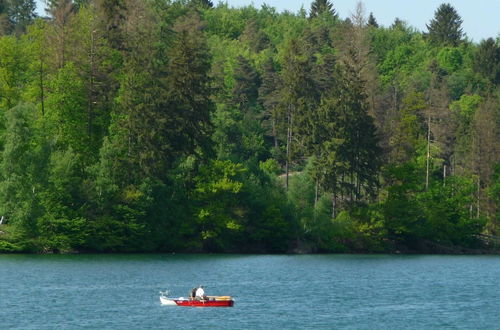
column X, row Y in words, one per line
column 114, row 13
column 347, row 157
column 372, row 21
column 399, row 24
column 188, row 86
column 446, row 27
column 408, row 132
column 485, row 142
column 3, row 7
column 246, row 112
column 97, row 64
column 246, row 85
column 269, row 99
column 21, row 14
column 487, row 60
column 5, row 23
column 320, row 7
column 206, row 4
column 254, row 37
column 297, row 101
column 61, row 12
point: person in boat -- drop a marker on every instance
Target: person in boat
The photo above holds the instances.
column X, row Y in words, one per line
column 200, row 293
column 192, row 295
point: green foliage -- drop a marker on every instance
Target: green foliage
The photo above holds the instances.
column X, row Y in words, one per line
column 450, row 59
column 372, row 21
column 487, row 60
column 216, row 190
column 13, row 66
column 7, row 247
column 467, row 106
column 437, row 215
column 404, row 60
column 179, row 126
column 408, row 135
column 270, row 167
column 321, row 7
column 445, row 28
column 21, row 14
column 66, row 110
column 494, row 192
column 18, row 193
column 228, row 23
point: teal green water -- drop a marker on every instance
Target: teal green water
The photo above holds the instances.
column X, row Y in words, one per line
column 288, row 292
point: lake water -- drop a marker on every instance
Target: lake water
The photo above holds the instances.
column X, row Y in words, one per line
column 287, row 292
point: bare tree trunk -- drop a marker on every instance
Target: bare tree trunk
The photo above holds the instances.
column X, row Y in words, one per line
column 90, row 104
column 478, row 196
column 288, row 146
column 316, row 193
column 42, row 94
column 334, row 205
column 275, row 134
column 444, row 175
column 428, row 151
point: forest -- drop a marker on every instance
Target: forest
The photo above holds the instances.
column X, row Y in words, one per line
column 190, row 126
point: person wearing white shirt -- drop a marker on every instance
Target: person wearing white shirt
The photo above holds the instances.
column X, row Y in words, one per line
column 200, row 293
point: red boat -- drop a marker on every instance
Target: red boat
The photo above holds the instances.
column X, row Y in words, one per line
column 209, row 301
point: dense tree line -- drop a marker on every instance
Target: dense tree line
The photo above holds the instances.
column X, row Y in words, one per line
column 164, row 125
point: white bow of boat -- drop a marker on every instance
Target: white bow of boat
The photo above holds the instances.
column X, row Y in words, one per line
column 165, row 300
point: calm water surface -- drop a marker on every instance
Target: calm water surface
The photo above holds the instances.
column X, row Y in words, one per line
column 288, row 292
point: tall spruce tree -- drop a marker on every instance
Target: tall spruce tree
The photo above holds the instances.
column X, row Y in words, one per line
column 188, row 87
column 445, row 28
column 3, row 7
column 269, row 99
column 113, row 17
column 61, row 12
column 246, row 85
column 254, row 37
column 487, row 60
column 205, row 4
column 297, row 101
column 21, row 14
column 348, row 157
column 320, row 7
column 372, row 21
column 5, row 24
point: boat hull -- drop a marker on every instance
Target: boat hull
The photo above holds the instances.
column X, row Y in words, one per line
column 167, row 301
column 205, row 303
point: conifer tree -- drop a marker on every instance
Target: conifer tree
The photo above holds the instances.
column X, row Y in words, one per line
column 487, row 60
column 399, row 24
column 188, row 87
column 408, row 132
column 269, row 99
column 21, row 14
column 114, row 13
column 254, row 37
column 446, row 27
column 319, row 7
column 61, row 12
column 246, row 85
column 206, row 4
column 348, row 157
column 5, row 24
column 297, row 98
column 372, row 21
column 3, row 7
